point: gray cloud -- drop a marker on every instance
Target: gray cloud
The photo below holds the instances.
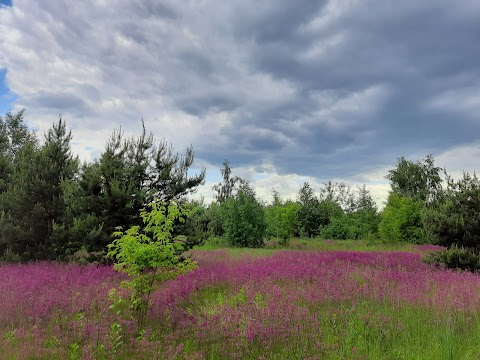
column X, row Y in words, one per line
column 325, row 89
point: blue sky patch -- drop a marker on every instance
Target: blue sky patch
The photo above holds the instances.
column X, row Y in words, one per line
column 6, row 2
column 6, row 98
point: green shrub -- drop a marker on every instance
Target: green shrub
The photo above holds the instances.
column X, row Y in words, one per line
column 455, row 257
column 244, row 219
column 454, row 219
column 149, row 255
column 216, row 242
column 401, row 220
column 356, row 225
column 281, row 219
column 340, row 228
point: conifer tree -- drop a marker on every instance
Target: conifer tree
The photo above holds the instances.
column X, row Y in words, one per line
column 34, row 201
column 130, row 174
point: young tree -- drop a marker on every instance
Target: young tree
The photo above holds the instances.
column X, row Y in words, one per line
column 281, row 220
column 149, row 256
column 401, row 220
column 244, row 219
column 309, row 214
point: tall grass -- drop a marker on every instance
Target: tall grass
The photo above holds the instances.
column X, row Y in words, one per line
column 287, row 305
column 316, row 244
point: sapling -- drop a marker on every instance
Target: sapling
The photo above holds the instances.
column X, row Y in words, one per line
column 149, row 256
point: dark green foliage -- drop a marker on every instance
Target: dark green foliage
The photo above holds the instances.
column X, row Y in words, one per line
column 329, row 215
column 50, row 208
column 214, row 217
column 340, row 228
column 34, row 202
column 244, row 219
column 418, row 181
column 129, row 175
column 310, row 217
column 357, row 225
column 223, row 192
column 455, row 220
column 359, row 222
column 401, row 220
column 455, row 257
column 194, row 230
column 281, row 219
column 328, row 210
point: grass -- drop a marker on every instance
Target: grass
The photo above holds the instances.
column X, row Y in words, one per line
column 309, row 244
column 331, row 300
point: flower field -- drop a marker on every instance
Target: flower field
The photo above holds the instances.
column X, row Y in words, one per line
column 288, row 305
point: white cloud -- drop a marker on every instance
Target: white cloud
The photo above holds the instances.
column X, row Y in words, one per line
column 459, row 159
column 289, row 91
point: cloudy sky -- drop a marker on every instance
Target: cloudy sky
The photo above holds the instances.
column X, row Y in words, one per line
column 288, row 91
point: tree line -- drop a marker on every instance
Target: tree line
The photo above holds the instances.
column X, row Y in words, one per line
column 52, row 206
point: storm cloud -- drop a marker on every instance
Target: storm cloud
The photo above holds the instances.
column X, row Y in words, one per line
column 315, row 90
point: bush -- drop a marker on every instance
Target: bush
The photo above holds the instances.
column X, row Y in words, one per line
column 149, row 255
column 401, row 220
column 454, row 219
column 357, row 225
column 214, row 217
column 281, row 220
column 340, row 228
column 244, row 219
column 455, row 258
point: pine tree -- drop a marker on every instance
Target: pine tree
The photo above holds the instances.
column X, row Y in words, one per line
column 34, row 202
column 130, row 174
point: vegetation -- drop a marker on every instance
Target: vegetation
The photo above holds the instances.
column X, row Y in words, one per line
column 149, row 256
column 291, row 304
column 326, row 274
column 53, row 208
column 282, row 219
column 401, row 220
column 420, row 181
column 244, row 219
column 454, row 219
column 456, row 257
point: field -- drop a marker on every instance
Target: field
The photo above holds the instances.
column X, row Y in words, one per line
column 328, row 300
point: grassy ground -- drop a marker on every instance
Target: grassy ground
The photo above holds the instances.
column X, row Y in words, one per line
column 309, row 244
column 317, row 299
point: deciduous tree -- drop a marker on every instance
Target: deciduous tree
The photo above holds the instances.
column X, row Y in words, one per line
column 420, row 181
column 244, row 219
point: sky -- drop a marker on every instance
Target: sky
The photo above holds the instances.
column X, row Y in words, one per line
column 287, row 91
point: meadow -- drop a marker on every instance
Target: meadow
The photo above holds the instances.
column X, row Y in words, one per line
column 316, row 300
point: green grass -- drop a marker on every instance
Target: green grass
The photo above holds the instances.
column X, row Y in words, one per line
column 360, row 330
column 308, row 244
